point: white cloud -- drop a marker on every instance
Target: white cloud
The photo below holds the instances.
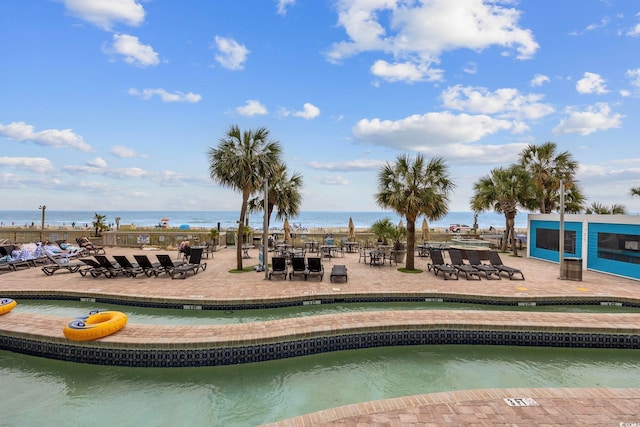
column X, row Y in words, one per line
column 98, row 162
column 166, row 96
column 349, row 166
column 231, row 54
column 252, row 108
column 34, row 164
column 505, row 102
column 539, row 80
column 405, row 71
column 591, row 83
column 634, row 76
column 123, row 152
column 105, row 13
column 418, row 33
column 134, row 52
column 425, row 132
column 595, row 118
column 332, row 180
column 283, row 4
column 309, row 111
column 20, row 131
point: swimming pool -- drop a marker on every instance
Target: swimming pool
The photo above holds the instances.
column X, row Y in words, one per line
column 40, row 391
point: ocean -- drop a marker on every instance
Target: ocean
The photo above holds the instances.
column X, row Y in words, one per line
column 228, row 219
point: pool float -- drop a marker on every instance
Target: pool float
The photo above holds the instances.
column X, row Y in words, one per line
column 96, row 325
column 6, row 305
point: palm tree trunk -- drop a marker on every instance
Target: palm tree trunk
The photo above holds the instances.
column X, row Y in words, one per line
column 243, row 210
column 411, row 243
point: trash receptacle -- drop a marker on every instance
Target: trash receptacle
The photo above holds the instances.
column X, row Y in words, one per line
column 573, row 269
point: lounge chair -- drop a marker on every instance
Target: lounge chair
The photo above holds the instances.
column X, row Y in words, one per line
column 13, row 265
column 278, row 266
column 490, row 272
column 438, row 265
column 338, row 271
column 458, row 263
column 94, row 268
column 194, row 265
column 167, row 265
column 496, row 261
column 147, row 266
column 128, row 268
column 298, row 268
column 315, row 267
column 111, row 267
column 60, row 263
column 90, row 249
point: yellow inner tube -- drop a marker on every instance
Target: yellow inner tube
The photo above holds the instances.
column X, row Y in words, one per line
column 95, row 325
column 6, row 305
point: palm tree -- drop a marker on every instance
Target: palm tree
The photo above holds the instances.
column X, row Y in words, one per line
column 599, row 209
column 635, row 191
column 547, row 168
column 504, row 190
column 284, row 192
column 414, row 187
column 242, row 161
column 98, row 223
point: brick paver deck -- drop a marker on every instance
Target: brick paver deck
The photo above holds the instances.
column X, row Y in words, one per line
column 482, row 407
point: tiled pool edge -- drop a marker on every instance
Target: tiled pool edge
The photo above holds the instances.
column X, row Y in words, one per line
column 187, row 355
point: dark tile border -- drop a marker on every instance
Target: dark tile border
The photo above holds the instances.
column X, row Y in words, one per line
column 217, row 356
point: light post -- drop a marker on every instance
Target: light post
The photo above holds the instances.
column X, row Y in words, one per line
column 43, row 208
column 563, row 275
column 265, row 231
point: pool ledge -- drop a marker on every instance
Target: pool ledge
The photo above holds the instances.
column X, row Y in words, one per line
column 211, row 345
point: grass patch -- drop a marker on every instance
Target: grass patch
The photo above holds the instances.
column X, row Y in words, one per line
column 405, row 270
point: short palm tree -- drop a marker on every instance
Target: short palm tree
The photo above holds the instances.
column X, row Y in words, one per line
column 504, row 190
column 413, row 187
column 547, row 168
column 242, row 161
column 99, row 223
column 635, row 191
column 599, row 209
column 284, row 193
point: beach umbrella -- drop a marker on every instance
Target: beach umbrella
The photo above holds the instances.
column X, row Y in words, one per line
column 401, row 224
column 352, row 230
column 425, row 230
column 287, row 230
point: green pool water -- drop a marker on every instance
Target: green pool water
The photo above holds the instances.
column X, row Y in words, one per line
column 39, row 392
column 73, row 309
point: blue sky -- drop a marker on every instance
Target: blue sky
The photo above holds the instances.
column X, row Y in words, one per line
column 113, row 104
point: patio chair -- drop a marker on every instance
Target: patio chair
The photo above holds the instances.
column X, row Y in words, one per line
column 278, row 266
column 338, row 271
column 167, row 265
column 438, row 265
column 194, row 265
column 113, row 268
column 93, row 268
column 56, row 264
column 127, row 267
column 315, row 267
column 490, row 272
column 298, row 268
column 496, row 261
column 148, row 267
column 458, row 263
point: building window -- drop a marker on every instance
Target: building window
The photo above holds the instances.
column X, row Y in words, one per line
column 549, row 238
column 619, row 247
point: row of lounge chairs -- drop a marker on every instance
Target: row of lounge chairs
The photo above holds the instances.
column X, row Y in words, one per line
column 300, row 266
column 474, row 269
column 100, row 265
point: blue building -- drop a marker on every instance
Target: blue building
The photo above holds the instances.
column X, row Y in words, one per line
column 604, row 243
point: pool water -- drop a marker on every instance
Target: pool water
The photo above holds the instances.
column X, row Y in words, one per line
column 73, row 309
column 37, row 391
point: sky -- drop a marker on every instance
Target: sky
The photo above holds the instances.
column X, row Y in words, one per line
column 115, row 104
